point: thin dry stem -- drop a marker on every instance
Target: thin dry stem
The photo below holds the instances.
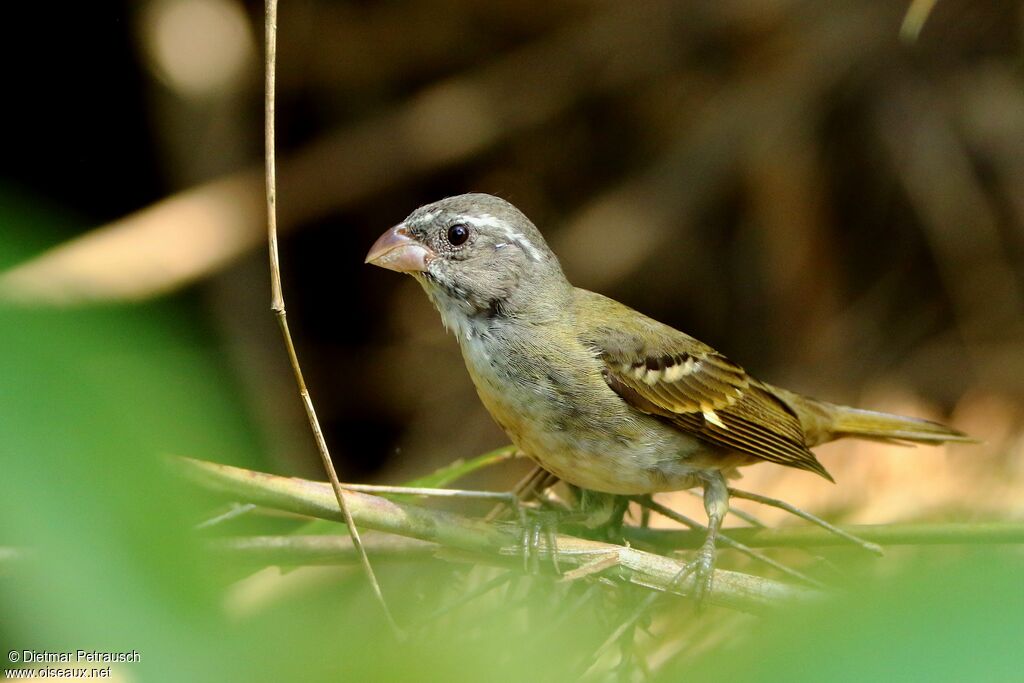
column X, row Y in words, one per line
column 944, row 533
column 277, row 305
column 803, row 514
column 293, row 551
column 727, row 540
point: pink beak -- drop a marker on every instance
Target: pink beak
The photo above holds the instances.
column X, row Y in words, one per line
column 396, row 250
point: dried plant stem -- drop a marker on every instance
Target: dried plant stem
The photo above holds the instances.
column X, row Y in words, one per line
column 726, row 540
column 338, row 550
column 945, row 533
column 277, row 305
column 496, row 543
column 319, row 550
column 803, row 514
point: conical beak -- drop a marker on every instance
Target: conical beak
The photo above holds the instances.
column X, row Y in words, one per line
column 396, row 250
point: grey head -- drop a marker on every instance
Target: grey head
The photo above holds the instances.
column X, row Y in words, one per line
column 476, row 255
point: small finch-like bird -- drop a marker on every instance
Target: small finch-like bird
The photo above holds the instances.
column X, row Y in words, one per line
column 596, row 393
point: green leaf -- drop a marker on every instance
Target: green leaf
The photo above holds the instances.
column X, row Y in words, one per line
column 461, row 468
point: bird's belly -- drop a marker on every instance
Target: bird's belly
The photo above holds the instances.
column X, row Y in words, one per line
column 611, row 466
column 595, row 441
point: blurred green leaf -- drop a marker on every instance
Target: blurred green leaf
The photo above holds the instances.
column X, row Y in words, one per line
column 448, row 474
column 91, row 401
column 942, row 618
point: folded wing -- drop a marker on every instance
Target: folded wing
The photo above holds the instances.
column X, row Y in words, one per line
column 663, row 372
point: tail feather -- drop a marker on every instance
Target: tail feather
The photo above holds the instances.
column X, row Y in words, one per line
column 872, row 424
column 823, row 421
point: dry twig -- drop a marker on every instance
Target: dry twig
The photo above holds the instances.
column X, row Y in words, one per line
column 277, row 305
column 946, row 533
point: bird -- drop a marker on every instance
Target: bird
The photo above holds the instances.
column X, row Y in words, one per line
column 598, row 394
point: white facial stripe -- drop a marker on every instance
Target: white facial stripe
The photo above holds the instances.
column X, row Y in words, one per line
column 487, row 220
column 484, row 220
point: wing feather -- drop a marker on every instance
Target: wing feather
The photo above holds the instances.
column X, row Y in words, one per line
column 661, row 371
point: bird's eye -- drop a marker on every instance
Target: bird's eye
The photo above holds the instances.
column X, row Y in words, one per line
column 458, row 234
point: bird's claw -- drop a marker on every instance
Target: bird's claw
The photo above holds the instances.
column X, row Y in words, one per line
column 703, row 570
column 533, row 525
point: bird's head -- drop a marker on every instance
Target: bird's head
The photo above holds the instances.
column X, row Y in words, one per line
column 475, row 255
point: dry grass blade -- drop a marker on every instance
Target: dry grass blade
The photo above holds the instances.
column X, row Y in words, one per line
column 296, row 551
column 945, row 533
column 277, row 305
column 729, row 542
column 813, row 519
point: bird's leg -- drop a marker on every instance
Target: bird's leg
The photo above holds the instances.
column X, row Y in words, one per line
column 601, row 512
column 613, row 527
column 735, row 512
column 533, row 523
column 716, row 504
column 813, row 519
column 530, row 486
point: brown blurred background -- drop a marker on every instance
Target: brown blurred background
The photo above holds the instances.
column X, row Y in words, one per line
column 831, row 193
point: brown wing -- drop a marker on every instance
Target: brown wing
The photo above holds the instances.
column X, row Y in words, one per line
column 664, row 372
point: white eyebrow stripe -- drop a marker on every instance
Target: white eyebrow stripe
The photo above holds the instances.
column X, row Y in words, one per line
column 498, row 224
column 484, row 220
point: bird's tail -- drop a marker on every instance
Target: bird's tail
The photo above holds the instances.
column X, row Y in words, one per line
column 823, row 421
column 871, row 424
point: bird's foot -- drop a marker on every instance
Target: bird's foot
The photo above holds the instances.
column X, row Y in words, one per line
column 703, row 569
column 534, row 526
